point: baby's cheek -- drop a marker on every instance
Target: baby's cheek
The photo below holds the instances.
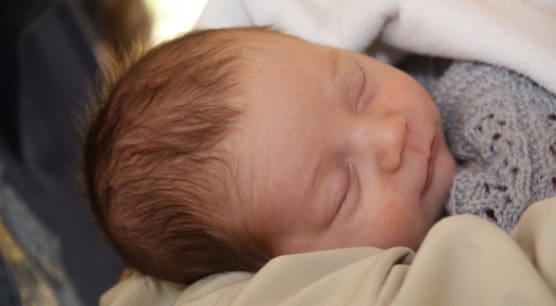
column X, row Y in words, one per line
column 447, row 169
column 402, row 223
column 440, row 191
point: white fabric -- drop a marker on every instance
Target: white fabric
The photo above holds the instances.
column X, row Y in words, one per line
column 517, row 34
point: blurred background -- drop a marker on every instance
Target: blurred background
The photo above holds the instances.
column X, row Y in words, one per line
column 120, row 22
column 172, row 17
column 51, row 252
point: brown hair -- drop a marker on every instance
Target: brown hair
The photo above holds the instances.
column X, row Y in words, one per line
column 157, row 185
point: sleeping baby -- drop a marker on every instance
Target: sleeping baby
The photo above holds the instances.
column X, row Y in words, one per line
column 225, row 148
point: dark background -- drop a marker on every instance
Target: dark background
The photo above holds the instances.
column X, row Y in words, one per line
column 47, row 72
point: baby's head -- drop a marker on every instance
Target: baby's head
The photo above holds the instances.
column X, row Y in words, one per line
column 222, row 149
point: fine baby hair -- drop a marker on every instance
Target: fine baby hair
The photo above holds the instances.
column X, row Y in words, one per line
column 154, row 174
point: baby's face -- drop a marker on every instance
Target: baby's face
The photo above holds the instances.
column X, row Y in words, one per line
column 335, row 150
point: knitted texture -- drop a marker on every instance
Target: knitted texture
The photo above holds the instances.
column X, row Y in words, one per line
column 501, row 128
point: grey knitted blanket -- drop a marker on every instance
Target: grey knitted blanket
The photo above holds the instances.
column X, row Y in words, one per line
column 501, row 128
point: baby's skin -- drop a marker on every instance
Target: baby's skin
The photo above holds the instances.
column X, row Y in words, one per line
column 334, row 149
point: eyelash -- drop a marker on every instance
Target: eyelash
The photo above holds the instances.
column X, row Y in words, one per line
column 350, row 169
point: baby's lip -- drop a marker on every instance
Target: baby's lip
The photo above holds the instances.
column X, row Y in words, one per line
column 431, row 163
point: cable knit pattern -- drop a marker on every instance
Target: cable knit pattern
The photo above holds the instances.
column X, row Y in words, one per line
column 501, row 128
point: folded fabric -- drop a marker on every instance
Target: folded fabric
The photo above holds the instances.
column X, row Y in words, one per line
column 506, row 149
column 516, row 34
column 464, row 260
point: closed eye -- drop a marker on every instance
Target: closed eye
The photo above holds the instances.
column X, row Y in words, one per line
column 349, row 188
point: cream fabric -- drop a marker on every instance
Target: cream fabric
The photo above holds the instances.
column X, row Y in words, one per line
column 463, row 261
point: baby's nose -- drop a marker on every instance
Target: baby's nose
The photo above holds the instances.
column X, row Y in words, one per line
column 388, row 134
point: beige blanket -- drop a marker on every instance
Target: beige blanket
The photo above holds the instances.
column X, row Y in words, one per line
column 463, row 261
